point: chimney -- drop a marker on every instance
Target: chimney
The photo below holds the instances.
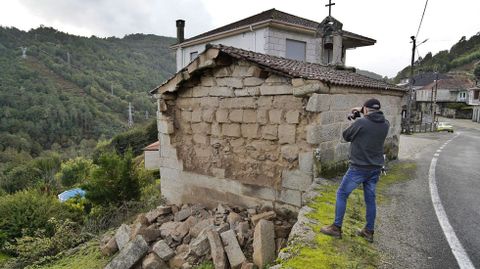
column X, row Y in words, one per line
column 180, row 31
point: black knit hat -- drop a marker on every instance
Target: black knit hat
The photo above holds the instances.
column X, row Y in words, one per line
column 372, row 103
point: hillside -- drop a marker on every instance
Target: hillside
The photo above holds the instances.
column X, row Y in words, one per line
column 71, row 89
column 463, row 58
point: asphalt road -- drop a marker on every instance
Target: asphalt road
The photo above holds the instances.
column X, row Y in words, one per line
column 408, row 231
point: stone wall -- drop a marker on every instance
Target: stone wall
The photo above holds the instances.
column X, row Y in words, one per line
column 242, row 135
column 151, row 158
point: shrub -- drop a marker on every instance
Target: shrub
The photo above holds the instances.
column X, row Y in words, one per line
column 20, row 178
column 66, row 234
column 74, row 171
column 113, row 180
column 25, row 212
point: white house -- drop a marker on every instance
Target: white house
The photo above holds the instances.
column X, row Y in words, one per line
column 474, row 100
column 276, row 33
column 446, row 93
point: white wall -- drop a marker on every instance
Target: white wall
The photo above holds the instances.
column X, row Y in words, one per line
column 275, row 43
column 253, row 40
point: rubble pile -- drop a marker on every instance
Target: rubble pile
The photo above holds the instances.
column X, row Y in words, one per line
column 183, row 237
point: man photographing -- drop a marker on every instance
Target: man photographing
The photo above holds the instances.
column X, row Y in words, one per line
column 367, row 136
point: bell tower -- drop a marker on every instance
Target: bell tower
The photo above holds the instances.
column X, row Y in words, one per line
column 333, row 42
column 329, row 33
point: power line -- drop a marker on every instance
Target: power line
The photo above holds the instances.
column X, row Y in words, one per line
column 421, row 20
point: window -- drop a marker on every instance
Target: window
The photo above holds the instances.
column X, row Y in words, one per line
column 296, row 50
column 475, row 94
column 193, row 55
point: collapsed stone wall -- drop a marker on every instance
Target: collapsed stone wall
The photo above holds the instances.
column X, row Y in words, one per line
column 245, row 136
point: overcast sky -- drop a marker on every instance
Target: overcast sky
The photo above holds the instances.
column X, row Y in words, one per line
column 390, row 22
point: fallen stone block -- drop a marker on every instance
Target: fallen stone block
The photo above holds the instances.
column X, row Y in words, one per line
column 216, row 250
column 150, row 234
column 233, row 219
column 152, row 261
column 157, row 212
column 247, row 265
column 263, row 243
column 110, row 247
column 142, row 219
column 184, row 227
column 200, row 226
column 265, row 215
column 122, row 236
column 182, row 214
column 200, row 245
column 169, row 228
column 130, row 254
column 163, row 251
column 232, row 248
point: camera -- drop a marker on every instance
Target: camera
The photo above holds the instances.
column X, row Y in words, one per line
column 354, row 114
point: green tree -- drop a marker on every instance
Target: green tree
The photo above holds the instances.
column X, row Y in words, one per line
column 74, row 171
column 48, row 167
column 19, row 178
column 113, row 180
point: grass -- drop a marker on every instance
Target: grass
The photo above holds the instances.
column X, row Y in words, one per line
column 3, row 258
column 351, row 251
column 88, row 256
column 205, row 265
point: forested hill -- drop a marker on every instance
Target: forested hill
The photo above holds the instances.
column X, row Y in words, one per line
column 463, row 57
column 71, row 89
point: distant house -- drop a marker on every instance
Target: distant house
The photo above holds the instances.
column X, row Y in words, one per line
column 152, row 156
column 247, row 128
column 451, row 95
column 473, row 100
column 276, row 33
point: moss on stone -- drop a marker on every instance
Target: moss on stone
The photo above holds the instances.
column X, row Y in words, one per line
column 330, row 169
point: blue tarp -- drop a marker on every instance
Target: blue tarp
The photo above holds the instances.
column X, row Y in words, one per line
column 64, row 196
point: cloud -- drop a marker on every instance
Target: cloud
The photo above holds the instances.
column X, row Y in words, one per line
column 120, row 17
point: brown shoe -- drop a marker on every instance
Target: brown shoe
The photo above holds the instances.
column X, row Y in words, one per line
column 332, row 230
column 368, row 235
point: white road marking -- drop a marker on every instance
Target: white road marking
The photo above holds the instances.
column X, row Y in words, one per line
column 458, row 251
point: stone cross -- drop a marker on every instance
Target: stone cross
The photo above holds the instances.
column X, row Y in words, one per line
column 329, row 5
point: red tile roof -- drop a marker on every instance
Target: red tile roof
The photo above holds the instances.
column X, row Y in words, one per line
column 455, row 83
column 290, row 68
column 299, row 69
column 153, row 147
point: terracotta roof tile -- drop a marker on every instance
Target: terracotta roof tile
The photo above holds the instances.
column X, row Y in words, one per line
column 153, row 147
column 299, row 69
column 294, row 69
column 455, row 83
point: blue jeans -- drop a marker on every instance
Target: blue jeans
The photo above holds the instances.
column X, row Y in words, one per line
column 350, row 182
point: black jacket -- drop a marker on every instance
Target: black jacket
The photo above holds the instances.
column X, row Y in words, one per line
column 367, row 136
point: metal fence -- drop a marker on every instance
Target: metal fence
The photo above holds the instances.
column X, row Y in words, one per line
column 420, row 128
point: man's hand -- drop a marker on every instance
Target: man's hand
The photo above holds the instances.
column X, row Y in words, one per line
column 358, row 108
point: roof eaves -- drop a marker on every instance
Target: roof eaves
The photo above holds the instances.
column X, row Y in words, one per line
column 204, row 60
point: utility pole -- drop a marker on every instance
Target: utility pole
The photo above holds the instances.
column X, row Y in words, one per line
column 146, row 114
column 410, row 90
column 24, row 52
column 68, row 58
column 435, row 98
column 130, row 117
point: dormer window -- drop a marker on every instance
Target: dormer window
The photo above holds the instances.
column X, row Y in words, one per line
column 296, row 50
